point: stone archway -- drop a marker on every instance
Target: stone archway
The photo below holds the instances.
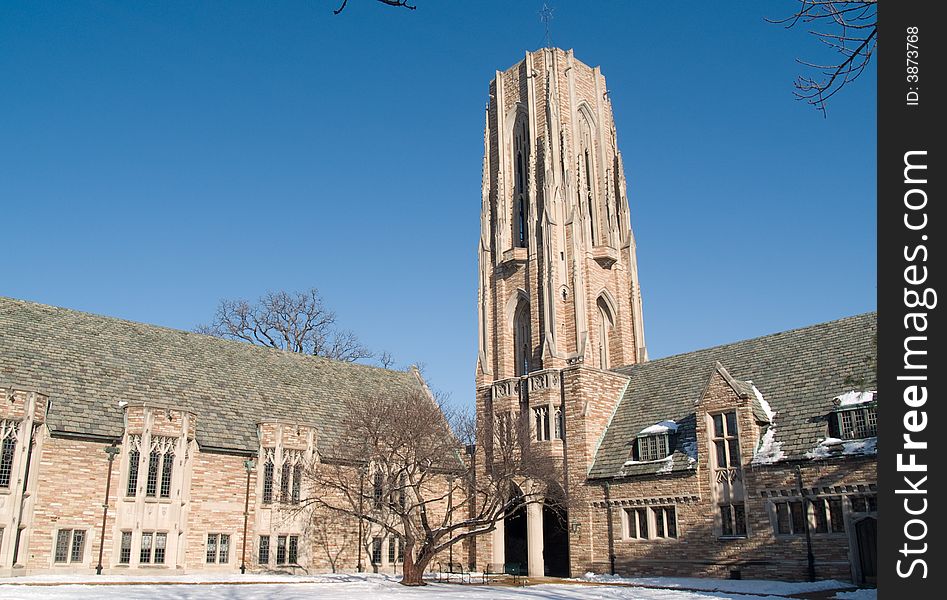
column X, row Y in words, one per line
column 555, row 534
column 515, row 535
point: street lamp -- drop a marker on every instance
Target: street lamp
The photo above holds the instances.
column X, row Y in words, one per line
column 112, row 451
column 249, row 465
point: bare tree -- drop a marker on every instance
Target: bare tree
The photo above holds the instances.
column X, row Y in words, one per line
column 293, row 321
column 402, row 470
column 850, row 29
column 401, row 3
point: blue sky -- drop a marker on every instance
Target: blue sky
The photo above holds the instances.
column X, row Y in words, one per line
column 158, row 156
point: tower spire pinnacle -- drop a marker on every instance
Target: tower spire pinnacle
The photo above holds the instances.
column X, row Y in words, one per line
column 545, row 15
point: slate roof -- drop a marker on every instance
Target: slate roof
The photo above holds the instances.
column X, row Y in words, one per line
column 87, row 364
column 798, row 372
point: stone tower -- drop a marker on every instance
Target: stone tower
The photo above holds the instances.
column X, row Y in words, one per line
column 559, row 302
column 558, row 273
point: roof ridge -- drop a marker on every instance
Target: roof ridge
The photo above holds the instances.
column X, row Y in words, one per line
column 795, row 330
column 203, row 336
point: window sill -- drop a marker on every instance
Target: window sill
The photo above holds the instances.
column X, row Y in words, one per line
column 729, row 538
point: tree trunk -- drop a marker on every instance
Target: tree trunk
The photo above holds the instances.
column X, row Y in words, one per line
column 413, row 572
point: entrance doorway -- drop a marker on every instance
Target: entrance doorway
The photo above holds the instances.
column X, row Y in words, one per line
column 866, row 536
column 515, row 545
column 555, row 538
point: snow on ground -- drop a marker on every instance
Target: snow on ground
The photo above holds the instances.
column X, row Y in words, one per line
column 382, row 587
column 862, row 594
column 736, row 586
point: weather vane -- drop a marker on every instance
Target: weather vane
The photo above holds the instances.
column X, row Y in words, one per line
column 545, row 15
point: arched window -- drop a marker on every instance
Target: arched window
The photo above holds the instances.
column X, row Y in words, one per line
column 587, row 172
column 522, row 339
column 521, row 181
column 606, row 323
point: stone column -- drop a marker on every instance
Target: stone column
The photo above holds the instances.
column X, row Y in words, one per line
column 534, row 536
column 499, row 548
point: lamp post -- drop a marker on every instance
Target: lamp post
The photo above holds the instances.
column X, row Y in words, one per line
column 249, row 465
column 112, row 451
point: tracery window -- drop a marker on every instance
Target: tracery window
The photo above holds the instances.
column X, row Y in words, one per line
column 521, row 182
column 268, row 481
column 8, row 435
column 606, row 324
column 541, row 418
column 160, row 466
column 587, row 176
column 134, row 463
column 522, row 339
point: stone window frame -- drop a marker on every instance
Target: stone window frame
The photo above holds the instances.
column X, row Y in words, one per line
column 161, row 447
column 66, row 554
column 661, row 440
column 857, row 422
column 727, row 514
column 222, row 553
column 802, row 512
column 631, row 525
column 125, row 549
column 9, row 434
column 541, row 424
column 651, row 521
column 375, row 555
column 727, row 439
column 520, row 154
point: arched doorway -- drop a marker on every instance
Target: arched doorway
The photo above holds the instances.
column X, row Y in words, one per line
column 555, row 533
column 515, row 544
column 866, row 536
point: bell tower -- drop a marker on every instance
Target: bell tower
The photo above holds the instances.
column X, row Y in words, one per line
column 558, row 280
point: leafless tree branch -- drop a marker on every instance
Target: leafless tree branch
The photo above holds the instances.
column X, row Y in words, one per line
column 402, row 466
column 292, row 321
column 400, row 3
column 852, row 34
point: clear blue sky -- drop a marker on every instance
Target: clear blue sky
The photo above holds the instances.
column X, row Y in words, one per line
column 158, row 156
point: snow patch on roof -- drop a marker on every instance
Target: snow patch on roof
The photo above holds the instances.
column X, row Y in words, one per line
column 854, row 397
column 662, row 427
column 690, row 449
column 669, row 459
column 770, row 451
column 770, row 413
column 835, row 447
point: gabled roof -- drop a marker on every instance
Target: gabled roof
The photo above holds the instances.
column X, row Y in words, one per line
column 87, row 364
column 798, row 372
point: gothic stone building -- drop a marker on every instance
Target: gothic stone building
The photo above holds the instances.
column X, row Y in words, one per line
column 730, row 461
column 186, row 412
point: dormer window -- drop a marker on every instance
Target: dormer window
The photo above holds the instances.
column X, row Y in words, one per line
column 651, row 447
column 654, row 442
column 855, row 416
